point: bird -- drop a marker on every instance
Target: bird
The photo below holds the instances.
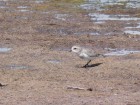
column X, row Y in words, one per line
column 85, row 53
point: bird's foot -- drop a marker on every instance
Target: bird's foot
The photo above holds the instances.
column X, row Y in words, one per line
column 85, row 66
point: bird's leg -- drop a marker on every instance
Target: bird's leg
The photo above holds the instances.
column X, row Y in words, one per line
column 87, row 64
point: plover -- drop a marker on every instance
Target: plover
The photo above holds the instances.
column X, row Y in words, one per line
column 85, row 53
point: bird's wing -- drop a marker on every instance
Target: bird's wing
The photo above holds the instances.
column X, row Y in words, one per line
column 91, row 53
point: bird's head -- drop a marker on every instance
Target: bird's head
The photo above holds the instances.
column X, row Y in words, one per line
column 76, row 49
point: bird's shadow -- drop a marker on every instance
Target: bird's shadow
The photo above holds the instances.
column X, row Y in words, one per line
column 91, row 65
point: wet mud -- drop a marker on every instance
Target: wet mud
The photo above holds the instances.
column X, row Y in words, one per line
column 36, row 67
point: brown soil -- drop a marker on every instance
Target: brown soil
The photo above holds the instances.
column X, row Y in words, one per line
column 40, row 70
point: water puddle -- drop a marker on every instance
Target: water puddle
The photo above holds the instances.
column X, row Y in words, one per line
column 54, row 61
column 132, row 32
column 94, row 33
column 3, row 50
column 121, row 52
column 100, row 4
column 104, row 17
column 17, row 67
column 23, row 8
column 95, row 4
column 99, row 22
column 40, row 6
column 104, row 5
column 133, row 4
column 39, row 1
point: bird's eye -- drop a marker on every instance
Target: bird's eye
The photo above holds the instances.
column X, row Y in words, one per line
column 75, row 48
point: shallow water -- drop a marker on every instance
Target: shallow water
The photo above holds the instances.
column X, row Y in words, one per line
column 99, row 4
column 28, row 10
column 132, row 32
column 94, row 7
column 4, row 49
column 17, row 67
column 104, row 17
column 39, row 1
column 54, row 61
column 121, row 52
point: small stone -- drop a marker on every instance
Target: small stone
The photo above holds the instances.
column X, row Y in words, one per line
column 90, row 89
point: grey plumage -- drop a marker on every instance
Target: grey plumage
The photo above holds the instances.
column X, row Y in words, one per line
column 85, row 53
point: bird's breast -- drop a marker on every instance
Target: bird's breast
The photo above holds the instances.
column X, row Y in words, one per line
column 84, row 56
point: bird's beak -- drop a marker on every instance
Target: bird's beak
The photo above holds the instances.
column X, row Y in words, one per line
column 70, row 50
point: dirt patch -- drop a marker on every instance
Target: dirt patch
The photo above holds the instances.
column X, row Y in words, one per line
column 40, row 70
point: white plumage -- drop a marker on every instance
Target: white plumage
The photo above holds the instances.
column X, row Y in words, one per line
column 85, row 53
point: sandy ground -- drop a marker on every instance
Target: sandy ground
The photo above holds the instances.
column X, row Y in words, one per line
column 40, row 70
column 38, row 75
